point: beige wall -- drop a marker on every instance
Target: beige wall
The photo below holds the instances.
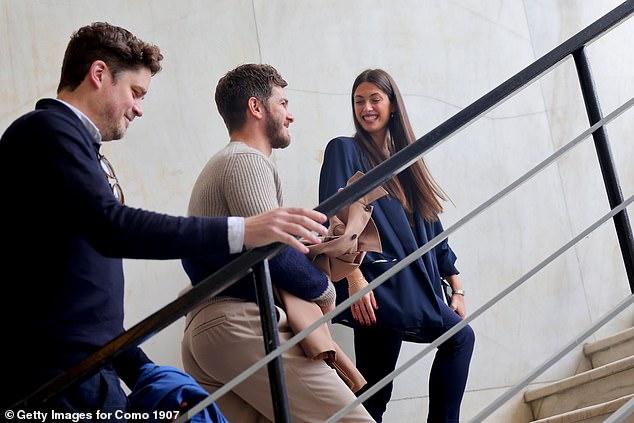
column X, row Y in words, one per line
column 444, row 55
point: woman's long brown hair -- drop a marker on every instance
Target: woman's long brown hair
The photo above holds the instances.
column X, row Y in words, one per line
column 414, row 187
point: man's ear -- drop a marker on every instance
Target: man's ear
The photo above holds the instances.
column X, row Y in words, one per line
column 255, row 108
column 97, row 72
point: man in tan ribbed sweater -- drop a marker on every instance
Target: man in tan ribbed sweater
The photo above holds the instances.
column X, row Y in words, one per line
column 223, row 336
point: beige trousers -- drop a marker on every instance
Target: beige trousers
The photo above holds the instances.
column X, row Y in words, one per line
column 222, row 339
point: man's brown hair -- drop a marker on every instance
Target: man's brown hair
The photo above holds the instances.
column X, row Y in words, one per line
column 240, row 84
column 116, row 46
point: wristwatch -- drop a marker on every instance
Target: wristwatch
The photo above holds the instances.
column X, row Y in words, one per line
column 458, row 292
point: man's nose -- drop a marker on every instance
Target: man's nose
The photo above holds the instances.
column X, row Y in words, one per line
column 137, row 108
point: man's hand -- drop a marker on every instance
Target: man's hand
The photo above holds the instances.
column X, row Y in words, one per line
column 284, row 225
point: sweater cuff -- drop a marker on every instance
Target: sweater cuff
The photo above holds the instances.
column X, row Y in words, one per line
column 328, row 297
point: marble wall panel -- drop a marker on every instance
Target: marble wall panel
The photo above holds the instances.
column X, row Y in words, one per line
column 444, row 55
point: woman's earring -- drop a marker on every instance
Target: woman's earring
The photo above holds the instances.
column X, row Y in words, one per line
column 391, row 115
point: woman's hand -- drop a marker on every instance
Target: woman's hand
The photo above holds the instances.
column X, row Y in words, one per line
column 458, row 305
column 457, row 300
column 363, row 309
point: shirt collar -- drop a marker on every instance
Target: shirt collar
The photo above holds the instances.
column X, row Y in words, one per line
column 90, row 126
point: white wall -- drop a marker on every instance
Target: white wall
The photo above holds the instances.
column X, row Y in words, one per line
column 444, row 55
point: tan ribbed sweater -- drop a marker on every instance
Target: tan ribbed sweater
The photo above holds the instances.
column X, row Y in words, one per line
column 237, row 181
column 241, row 181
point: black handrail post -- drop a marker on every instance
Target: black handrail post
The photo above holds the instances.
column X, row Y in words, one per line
column 268, row 316
column 606, row 162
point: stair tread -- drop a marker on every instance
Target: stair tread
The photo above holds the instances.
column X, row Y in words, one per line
column 618, row 338
column 587, row 412
column 579, row 379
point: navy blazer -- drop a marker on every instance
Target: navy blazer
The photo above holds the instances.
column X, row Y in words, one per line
column 64, row 235
column 409, row 300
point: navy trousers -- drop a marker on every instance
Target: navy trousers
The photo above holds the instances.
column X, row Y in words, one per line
column 377, row 351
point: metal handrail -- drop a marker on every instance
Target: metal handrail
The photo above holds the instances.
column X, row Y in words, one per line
column 472, row 316
column 606, row 162
column 414, row 256
column 242, row 265
column 510, row 393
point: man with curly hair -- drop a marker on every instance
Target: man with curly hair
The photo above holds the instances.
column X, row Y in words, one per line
column 67, row 228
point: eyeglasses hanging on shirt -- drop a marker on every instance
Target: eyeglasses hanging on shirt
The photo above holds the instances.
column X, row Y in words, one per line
column 112, row 178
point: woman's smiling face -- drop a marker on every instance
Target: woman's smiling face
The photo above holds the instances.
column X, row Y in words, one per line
column 372, row 109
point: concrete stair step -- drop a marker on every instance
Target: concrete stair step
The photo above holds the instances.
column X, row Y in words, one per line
column 591, row 414
column 610, row 349
column 593, row 387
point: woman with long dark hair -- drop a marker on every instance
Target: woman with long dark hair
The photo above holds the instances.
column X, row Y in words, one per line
column 411, row 305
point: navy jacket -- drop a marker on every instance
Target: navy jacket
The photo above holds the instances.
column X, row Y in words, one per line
column 409, row 300
column 64, row 235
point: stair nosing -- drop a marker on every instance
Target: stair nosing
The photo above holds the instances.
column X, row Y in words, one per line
column 603, row 344
column 572, row 381
column 591, row 410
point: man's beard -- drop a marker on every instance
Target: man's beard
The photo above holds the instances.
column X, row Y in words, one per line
column 278, row 138
column 113, row 133
column 110, row 127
